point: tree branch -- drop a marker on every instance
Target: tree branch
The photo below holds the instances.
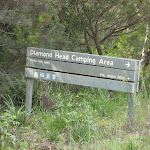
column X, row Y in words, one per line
column 128, row 32
column 102, row 13
column 89, row 19
column 127, row 26
column 2, row 45
column 87, row 43
column 145, row 48
column 9, row 33
column 89, row 34
column 121, row 19
column 106, row 37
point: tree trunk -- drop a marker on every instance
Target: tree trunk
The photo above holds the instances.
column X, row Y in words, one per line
column 98, row 46
column 145, row 47
column 87, row 43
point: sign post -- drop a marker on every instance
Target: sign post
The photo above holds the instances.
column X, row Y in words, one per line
column 29, row 92
column 112, row 73
column 132, row 101
column 131, row 110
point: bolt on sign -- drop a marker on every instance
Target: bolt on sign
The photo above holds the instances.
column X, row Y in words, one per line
column 112, row 73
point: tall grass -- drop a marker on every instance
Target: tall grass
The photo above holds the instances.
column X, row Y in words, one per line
column 89, row 116
column 75, row 117
column 14, row 86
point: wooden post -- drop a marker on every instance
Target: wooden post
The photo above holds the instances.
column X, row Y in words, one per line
column 29, row 91
column 131, row 111
column 132, row 99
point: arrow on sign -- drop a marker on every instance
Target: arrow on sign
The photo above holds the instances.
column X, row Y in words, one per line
column 128, row 64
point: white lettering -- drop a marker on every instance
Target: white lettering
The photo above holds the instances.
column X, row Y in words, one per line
column 31, row 52
column 42, row 54
column 83, row 59
column 92, row 61
column 111, row 63
column 73, row 57
column 33, row 60
column 106, row 62
column 101, row 61
column 40, row 61
column 46, row 62
column 121, row 78
column 102, row 75
column 59, row 56
column 56, row 55
column 111, row 76
column 39, row 53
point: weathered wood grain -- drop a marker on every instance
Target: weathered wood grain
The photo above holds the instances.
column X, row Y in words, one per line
column 80, row 80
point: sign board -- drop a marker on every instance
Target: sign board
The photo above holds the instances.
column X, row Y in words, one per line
column 112, row 73
column 80, row 80
column 82, row 58
column 83, row 69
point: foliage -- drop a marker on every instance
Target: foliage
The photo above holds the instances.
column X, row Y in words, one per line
column 129, row 46
column 68, row 116
column 28, row 24
column 100, row 21
column 79, row 118
column 14, row 86
column 12, row 117
column 84, row 26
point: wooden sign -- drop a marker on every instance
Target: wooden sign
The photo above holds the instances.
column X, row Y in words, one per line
column 81, row 69
column 104, row 72
column 80, row 80
column 81, row 58
column 112, row 73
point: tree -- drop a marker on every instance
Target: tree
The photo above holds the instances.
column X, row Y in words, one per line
column 100, row 21
column 15, row 22
column 24, row 24
column 128, row 45
column 146, row 46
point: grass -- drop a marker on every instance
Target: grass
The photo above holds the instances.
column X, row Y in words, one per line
column 73, row 117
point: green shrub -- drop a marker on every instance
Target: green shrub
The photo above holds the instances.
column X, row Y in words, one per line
column 14, row 86
column 10, row 119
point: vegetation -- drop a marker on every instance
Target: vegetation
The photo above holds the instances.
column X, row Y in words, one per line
column 76, row 118
column 68, row 116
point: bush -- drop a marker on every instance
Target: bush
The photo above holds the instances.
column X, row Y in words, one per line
column 14, row 86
